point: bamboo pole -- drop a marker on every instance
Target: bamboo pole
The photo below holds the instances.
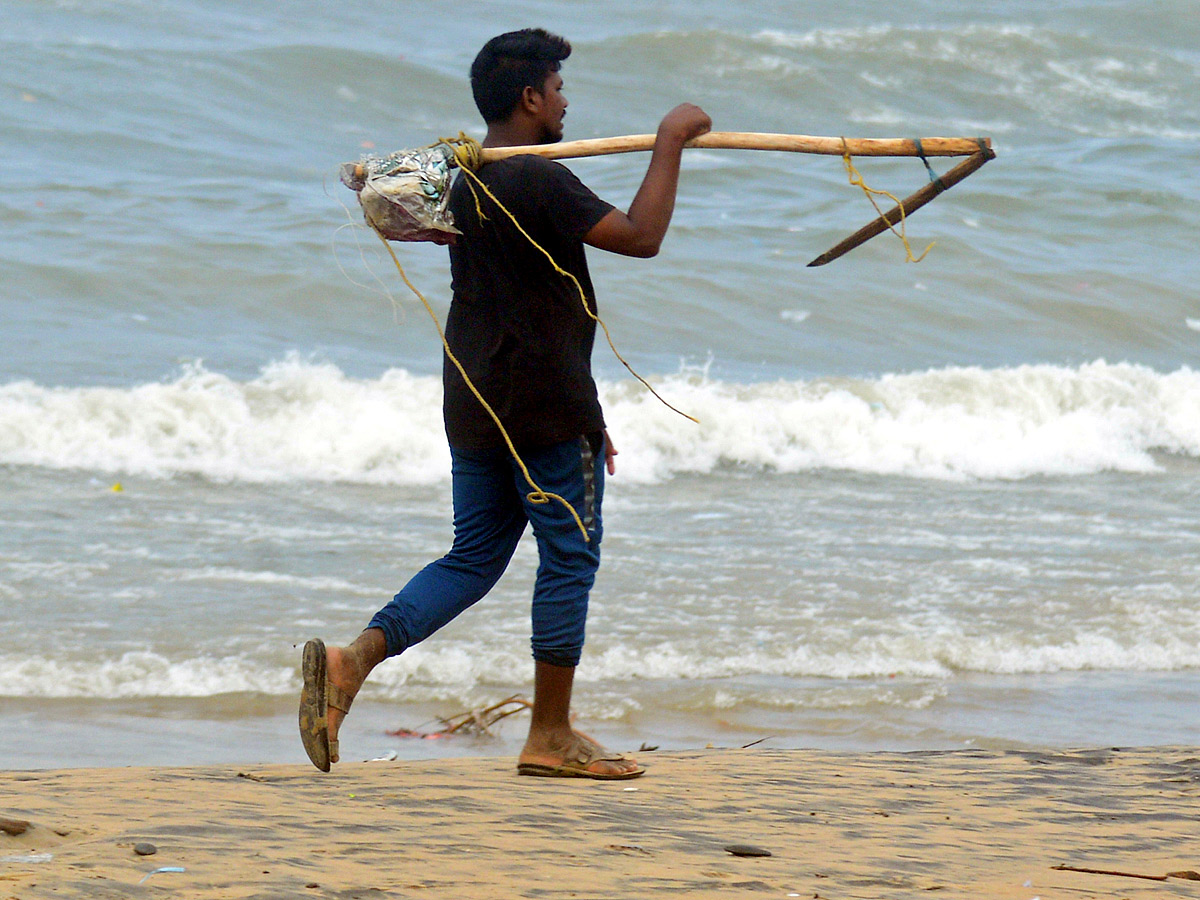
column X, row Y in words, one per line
column 908, row 206
column 748, row 140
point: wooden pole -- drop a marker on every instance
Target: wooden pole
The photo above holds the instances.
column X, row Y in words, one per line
column 748, row 140
column 908, row 206
column 742, row 140
column 978, row 151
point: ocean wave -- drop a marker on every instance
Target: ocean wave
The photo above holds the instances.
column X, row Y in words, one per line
column 306, row 421
column 139, row 674
column 783, row 675
column 316, row 583
column 1082, row 82
column 296, row 421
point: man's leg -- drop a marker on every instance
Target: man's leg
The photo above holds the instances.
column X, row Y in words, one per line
column 552, row 741
column 566, row 571
column 488, row 523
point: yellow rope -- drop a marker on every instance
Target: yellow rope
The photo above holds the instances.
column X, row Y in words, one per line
column 856, row 179
column 537, row 495
column 469, row 155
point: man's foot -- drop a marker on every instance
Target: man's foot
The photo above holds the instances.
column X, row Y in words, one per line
column 331, row 680
column 342, row 683
column 576, row 756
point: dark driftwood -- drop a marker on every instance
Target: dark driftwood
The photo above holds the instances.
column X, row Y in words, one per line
column 473, row 721
column 1110, row 872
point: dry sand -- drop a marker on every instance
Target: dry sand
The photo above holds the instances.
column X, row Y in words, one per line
column 839, row 825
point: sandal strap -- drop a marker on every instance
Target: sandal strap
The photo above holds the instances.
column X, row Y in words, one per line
column 592, row 753
column 336, row 698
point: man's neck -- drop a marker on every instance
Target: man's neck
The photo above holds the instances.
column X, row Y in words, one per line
column 512, row 133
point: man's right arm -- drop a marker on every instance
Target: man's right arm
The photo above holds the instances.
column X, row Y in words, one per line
column 640, row 231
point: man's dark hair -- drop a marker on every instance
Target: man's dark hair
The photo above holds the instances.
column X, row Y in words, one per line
column 511, row 62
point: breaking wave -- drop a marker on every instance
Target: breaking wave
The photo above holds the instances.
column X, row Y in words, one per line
column 300, row 420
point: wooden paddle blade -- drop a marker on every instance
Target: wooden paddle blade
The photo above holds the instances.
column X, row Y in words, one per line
column 907, row 206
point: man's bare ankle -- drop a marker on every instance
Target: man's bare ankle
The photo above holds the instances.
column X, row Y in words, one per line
column 552, row 741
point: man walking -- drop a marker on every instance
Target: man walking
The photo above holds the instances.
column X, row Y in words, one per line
column 522, row 333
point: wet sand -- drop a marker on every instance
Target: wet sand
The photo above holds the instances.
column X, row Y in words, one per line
column 985, row 824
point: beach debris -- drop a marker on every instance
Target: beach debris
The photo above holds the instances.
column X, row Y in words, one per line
column 473, row 721
column 746, row 850
column 162, row 869
column 28, row 857
column 144, row 849
column 647, row 748
column 14, row 827
column 414, row 733
column 387, row 757
column 1185, row 874
column 1109, row 872
column 250, row 776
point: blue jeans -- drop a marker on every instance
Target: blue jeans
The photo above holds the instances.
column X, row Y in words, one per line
column 491, row 510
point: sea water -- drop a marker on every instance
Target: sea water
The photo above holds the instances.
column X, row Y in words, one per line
column 953, row 503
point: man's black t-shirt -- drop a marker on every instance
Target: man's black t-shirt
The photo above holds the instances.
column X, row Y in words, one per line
column 519, row 327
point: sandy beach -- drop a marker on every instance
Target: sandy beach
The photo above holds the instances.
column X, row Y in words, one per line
column 837, row 825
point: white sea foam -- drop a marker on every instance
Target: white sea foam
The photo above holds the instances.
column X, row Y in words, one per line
column 459, row 671
column 306, row 421
column 139, row 674
column 824, row 38
column 938, row 654
column 948, row 423
column 297, row 420
column 323, row 584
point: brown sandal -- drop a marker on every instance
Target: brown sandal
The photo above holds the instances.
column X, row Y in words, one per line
column 316, row 698
column 577, row 765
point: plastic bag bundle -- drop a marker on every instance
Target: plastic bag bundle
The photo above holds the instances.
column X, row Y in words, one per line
column 404, row 195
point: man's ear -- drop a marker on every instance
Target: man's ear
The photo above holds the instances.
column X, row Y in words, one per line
column 531, row 100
